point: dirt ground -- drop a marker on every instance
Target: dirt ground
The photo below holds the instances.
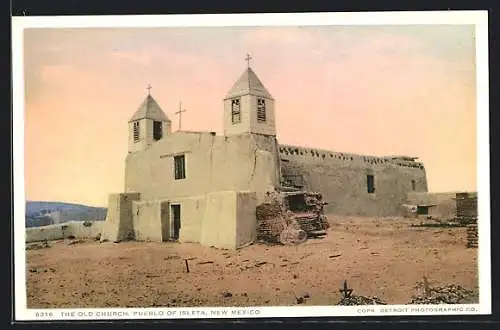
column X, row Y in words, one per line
column 382, row 257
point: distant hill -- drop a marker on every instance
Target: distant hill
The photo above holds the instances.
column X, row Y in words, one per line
column 45, row 213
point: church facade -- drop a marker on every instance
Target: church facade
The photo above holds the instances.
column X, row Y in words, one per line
column 203, row 187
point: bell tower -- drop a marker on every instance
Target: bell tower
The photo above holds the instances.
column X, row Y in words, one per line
column 249, row 107
column 148, row 125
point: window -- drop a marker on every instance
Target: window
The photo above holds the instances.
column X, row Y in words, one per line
column 261, row 110
column 423, row 210
column 413, row 184
column 137, row 131
column 179, row 167
column 370, row 183
column 157, row 130
column 235, row 111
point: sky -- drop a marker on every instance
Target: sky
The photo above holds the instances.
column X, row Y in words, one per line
column 374, row 90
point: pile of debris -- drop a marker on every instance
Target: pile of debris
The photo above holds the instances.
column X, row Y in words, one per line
column 270, row 222
column 467, row 216
column 307, row 210
column 360, row 301
column 448, row 294
column 38, row 245
column 348, row 299
column 437, row 223
column 293, row 235
column 472, row 235
column 291, row 217
column 466, row 207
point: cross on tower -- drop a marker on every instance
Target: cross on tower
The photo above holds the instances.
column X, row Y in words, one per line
column 149, row 89
column 180, row 114
column 248, row 58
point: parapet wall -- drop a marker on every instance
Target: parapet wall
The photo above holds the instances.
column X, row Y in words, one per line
column 313, row 155
column 342, row 179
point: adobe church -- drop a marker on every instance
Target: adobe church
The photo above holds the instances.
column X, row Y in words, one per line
column 202, row 187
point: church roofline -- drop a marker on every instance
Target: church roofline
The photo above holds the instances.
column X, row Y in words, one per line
column 248, row 83
column 391, row 159
column 407, row 158
column 149, row 117
column 245, row 93
column 149, row 109
column 194, row 132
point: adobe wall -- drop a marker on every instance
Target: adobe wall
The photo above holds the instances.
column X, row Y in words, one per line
column 341, row 178
column 119, row 223
column 148, row 221
column 446, row 210
column 416, row 198
column 246, row 218
column 244, row 124
column 249, row 122
column 64, row 230
column 146, row 133
column 165, row 221
column 85, row 229
column 445, row 205
column 192, row 213
column 213, row 163
column 219, row 225
column 49, row 233
column 229, row 220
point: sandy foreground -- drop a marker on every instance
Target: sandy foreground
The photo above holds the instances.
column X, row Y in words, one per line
column 382, row 257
